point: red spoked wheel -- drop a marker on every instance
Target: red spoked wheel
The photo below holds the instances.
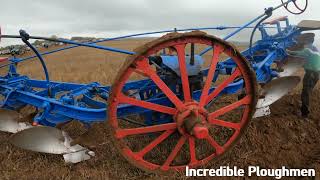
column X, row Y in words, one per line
column 299, row 5
column 203, row 126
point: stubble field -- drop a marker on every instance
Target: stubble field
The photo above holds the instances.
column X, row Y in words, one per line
column 281, row 139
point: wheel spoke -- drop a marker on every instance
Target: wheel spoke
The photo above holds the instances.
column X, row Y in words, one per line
column 192, row 149
column 179, row 103
column 219, row 149
column 223, row 123
column 244, row 101
column 148, row 105
column 231, row 139
column 144, row 66
column 155, row 142
column 216, row 53
column 224, row 84
column 174, row 153
column 180, row 48
column 121, row 133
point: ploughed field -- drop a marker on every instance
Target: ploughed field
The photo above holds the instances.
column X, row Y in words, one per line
column 281, row 139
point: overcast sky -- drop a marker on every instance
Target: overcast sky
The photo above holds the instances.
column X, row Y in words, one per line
column 109, row 18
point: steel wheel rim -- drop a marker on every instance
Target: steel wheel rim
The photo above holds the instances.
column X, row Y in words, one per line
column 136, row 158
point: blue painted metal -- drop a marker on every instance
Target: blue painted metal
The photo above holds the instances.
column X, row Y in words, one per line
column 234, row 33
column 70, row 101
column 173, row 63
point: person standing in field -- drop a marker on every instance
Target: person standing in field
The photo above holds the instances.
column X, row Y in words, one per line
column 312, row 68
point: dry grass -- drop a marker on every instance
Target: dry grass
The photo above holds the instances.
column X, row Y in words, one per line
column 82, row 65
column 263, row 144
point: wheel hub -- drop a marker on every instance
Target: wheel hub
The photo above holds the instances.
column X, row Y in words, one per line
column 189, row 118
column 192, row 121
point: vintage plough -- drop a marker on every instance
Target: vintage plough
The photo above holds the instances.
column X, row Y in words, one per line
column 193, row 99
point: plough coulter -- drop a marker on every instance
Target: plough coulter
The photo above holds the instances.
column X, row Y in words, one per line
column 180, row 100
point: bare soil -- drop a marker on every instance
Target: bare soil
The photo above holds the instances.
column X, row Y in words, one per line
column 281, row 139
